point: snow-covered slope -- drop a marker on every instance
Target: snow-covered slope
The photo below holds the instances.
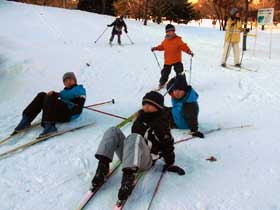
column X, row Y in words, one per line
column 39, row 44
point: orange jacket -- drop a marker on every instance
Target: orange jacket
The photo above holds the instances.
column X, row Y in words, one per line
column 173, row 50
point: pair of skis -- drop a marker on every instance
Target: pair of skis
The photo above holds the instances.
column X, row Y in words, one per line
column 241, row 68
column 92, row 192
column 38, row 139
column 120, row 204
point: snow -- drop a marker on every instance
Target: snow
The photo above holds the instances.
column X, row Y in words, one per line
column 38, row 44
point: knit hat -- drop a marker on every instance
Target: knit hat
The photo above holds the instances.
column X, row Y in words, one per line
column 154, row 98
column 69, row 75
column 177, row 83
column 169, row 27
column 233, row 11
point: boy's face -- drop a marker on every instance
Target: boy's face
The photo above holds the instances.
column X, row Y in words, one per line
column 68, row 82
column 170, row 33
column 149, row 108
column 178, row 94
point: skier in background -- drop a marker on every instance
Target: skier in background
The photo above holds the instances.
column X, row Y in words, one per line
column 118, row 24
column 56, row 106
column 232, row 37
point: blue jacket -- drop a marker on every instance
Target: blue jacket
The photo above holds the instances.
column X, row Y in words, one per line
column 179, row 113
column 76, row 95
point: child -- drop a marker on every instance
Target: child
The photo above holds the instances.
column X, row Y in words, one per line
column 184, row 110
column 172, row 46
column 117, row 29
column 149, row 140
column 57, row 107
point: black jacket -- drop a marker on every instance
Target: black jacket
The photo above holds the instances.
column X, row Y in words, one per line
column 118, row 24
column 154, row 127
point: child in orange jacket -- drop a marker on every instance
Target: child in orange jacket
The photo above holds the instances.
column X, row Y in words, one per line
column 172, row 46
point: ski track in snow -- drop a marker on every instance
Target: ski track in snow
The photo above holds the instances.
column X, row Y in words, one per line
column 56, row 174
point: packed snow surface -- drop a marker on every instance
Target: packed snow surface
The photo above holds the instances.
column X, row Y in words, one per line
column 38, row 44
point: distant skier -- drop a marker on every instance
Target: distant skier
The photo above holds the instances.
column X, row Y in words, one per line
column 118, row 24
column 172, row 46
column 232, row 37
column 184, row 110
column 149, row 140
column 56, row 106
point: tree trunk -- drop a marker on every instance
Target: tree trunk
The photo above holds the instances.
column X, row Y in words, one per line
column 245, row 25
column 146, row 12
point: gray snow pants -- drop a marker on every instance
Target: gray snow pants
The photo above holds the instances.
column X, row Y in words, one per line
column 132, row 150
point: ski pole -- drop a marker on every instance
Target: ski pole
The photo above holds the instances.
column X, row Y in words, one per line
column 106, row 102
column 95, row 110
column 101, row 35
column 106, row 113
column 156, row 190
column 190, row 70
column 157, row 61
column 129, row 39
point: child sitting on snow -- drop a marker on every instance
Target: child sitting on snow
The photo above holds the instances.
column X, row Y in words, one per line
column 57, row 107
column 184, row 110
column 149, row 140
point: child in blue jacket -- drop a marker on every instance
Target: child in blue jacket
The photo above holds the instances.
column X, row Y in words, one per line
column 60, row 106
column 184, row 110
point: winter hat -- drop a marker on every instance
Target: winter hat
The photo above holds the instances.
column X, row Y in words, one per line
column 177, row 83
column 169, row 27
column 69, row 75
column 233, row 11
column 154, row 98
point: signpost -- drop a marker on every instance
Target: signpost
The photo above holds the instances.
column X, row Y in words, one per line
column 265, row 17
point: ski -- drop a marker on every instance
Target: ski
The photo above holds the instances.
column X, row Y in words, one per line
column 40, row 139
column 212, row 131
column 234, row 68
column 121, row 203
column 15, row 133
column 90, row 194
column 243, row 68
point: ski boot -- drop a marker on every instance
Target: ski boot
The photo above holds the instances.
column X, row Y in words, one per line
column 23, row 124
column 238, row 65
column 223, row 65
column 127, row 184
column 49, row 128
column 100, row 175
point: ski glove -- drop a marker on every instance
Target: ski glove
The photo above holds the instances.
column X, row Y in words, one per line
column 174, row 168
column 125, row 31
column 191, row 54
column 153, row 49
column 198, row 134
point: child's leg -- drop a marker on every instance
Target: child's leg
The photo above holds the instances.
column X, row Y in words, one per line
column 136, row 153
column 111, row 142
column 35, row 107
column 165, row 74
